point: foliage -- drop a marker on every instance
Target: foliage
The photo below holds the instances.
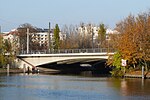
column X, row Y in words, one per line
column 81, row 36
column 22, row 33
column 115, row 61
column 56, row 37
column 8, row 52
column 72, row 38
column 102, row 33
column 85, row 35
column 2, row 60
column 7, row 55
column 117, row 72
column 134, row 40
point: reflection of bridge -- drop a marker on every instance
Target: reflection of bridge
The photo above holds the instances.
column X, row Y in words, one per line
column 62, row 57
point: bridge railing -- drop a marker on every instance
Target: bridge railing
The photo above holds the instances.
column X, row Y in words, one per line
column 95, row 50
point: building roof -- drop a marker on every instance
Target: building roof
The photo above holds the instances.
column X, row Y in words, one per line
column 13, row 32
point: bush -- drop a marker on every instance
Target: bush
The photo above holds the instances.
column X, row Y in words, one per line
column 117, row 72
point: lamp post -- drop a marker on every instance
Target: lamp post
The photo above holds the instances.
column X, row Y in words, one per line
column 27, row 40
column 92, row 39
column 49, row 39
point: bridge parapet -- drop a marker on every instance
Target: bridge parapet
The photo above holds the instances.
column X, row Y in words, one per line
column 33, row 59
column 61, row 51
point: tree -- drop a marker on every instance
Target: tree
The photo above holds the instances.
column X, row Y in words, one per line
column 85, row 36
column 89, row 39
column 71, row 41
column 7, row 54
column 101, row 34
column 82, row 35
column 133, row 42
column 2, row 59
column 56, row 37
column 22, row 33
column 116, row 62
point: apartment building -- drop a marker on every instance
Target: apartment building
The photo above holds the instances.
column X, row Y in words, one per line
column 38, row 40
column 89, row 30
column 42, row 36
column 13, row 38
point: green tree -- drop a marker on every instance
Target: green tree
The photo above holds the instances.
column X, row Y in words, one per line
column 115, row 61
column 56, row 37
column 2, row 60
column 7, row 55
column 101, row 34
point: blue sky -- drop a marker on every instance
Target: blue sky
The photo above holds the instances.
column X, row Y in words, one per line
column 40, row 12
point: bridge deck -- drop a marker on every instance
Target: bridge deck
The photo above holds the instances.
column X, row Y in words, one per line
column 38, row 59
column 64, row 55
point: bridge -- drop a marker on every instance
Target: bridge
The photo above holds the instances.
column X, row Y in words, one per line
column 70, row 56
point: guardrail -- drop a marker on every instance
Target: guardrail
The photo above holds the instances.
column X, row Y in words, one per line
column 58, row 51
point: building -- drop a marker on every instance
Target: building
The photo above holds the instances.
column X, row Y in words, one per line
column 109, row 32
column 41, row 37
column 38, row 40
column 88, row 30
column 13, row 38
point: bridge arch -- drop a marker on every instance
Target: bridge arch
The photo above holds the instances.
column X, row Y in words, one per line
column 34, row 60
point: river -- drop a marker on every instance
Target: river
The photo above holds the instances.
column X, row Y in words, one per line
column 71, row 87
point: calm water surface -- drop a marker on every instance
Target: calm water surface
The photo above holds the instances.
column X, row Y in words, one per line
column 68, row 87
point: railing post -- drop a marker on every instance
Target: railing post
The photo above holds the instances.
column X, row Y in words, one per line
column 142, row 72
column 24, row 68
column 27, row 40
column 8, row 69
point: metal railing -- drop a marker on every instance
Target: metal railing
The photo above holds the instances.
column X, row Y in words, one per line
column 61, row 51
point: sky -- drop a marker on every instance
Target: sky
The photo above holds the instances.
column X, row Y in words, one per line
column 66, row 12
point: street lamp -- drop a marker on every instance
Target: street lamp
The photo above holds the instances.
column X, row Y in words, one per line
column 92, row 39
column 49, row 39
column 27, row 40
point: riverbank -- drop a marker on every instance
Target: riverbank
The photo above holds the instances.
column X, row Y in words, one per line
column 11, row 70
column 137, row 74
column 131, row 74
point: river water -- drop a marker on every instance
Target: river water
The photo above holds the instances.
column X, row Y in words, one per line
column 71, row 87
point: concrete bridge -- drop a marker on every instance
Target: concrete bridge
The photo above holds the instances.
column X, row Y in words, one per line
column 36, row 59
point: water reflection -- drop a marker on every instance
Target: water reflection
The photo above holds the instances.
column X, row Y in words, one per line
column 83, row 86
column 131, row 87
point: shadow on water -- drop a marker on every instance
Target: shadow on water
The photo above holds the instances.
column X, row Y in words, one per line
column 82, row 73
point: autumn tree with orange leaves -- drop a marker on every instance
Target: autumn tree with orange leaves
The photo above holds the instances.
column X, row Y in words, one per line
column 133, row 42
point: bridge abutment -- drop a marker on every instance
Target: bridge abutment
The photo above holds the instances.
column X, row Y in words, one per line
column 26, row 66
